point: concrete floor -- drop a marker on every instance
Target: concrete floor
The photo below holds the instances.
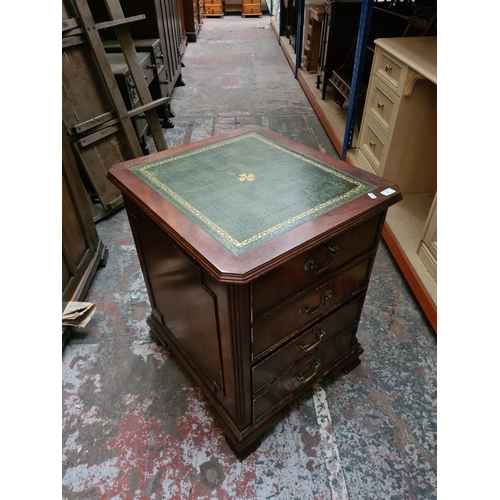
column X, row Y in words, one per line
column 135, row 427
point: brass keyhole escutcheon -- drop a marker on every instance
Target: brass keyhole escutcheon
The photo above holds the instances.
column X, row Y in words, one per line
column 380, row 105
column 372, row 144
column 388, row 67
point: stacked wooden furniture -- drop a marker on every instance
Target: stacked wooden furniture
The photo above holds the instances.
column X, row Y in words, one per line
column 128, row 90
column 313, row 22
column 162, row 20
column 255, row 327
column 82, row 249
column 214, row 8
column 95, row 117
column 398, row 141
column 192, row 18
column 251, row 8
column 149, row 51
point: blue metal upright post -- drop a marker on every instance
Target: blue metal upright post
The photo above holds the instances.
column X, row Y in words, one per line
column 299, row 33
column 357, row 73
column 282, row 20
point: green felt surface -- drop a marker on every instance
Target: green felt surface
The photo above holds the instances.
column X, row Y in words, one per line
column 246, row 190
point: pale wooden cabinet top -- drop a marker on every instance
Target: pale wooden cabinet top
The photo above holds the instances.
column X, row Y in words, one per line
column 419, row 53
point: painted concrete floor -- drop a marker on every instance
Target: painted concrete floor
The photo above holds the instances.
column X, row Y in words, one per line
column 135, row 427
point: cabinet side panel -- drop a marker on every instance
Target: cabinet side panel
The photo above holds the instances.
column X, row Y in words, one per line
column 234, row 313
column 412, row 157
column 239, row 300
column 188, row 305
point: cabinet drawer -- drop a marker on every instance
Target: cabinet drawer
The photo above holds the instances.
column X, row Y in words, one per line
column 304, row 373
column 374, row 144
column 390, row 70
column 383, row 104
column 213, row 9
column 363, row 163
column 308, row 308
column 163, row 83
column 158, row 56
column 251, row 8
column 149, row 70
column 311, row 340
column 301, row 271
column 140, row 125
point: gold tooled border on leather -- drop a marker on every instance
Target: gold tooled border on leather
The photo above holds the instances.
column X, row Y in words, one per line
column 143, row 169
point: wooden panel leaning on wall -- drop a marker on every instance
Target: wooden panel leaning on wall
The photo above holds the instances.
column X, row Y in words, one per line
column 162, row 20
column 94, row 111
column 90, row 115
column 82, row 249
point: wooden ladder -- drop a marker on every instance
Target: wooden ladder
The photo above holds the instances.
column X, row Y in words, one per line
column 119, row 22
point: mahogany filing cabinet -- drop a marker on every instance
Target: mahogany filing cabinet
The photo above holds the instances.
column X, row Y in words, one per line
column 256, row 253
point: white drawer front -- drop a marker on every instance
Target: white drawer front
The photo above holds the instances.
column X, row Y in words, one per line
column 374, row 144
column 383, row 104
column 363, row 163
column 390, row 71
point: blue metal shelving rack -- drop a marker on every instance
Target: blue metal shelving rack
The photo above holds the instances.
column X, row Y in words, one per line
column 300, row 30
column 359, row 62
column 282, row 20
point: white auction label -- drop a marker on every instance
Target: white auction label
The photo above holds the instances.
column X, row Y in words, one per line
column 387, row 192
column 372, row 196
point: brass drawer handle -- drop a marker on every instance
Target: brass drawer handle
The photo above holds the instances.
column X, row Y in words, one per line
column 388, row 67
column 302, row 347
column 380, row 105
column 305, row 310
column 300, row 378
column 372, row 144
column 311, row 266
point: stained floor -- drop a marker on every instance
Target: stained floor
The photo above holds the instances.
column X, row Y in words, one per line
column 135, row 427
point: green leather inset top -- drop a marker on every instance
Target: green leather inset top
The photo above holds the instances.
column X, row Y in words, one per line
column 249, row 189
